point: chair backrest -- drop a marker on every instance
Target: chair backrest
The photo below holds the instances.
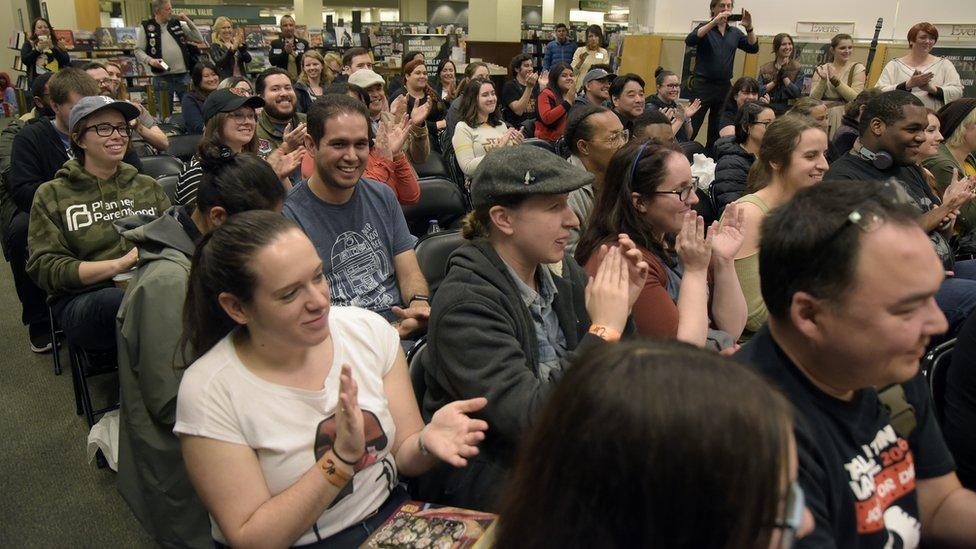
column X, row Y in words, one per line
column 183, row 146
column 528, row 128
column 440, row 199
column 168, row 183
column 175, row 119
column 432, row 167
column 161, row 164
column 562, row 148
column 433, row 251
column 705, row 207
column 541, row 143
column 416, row 368
column 935, row 365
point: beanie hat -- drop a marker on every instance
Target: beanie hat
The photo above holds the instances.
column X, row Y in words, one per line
column 952, row 115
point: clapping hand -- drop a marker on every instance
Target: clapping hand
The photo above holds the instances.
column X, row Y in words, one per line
column 390, row 137
column 451, row 435
column 637, row 267
column 608, row 292
column 284, row 163
column 543, row 79
column 294, row 138
column 419, row 113
column 727, row 237
column 692, row 108
column 350, row 440
column 693, row 247
column 959, row 191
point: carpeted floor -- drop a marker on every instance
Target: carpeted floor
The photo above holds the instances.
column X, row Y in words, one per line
column 52, row 497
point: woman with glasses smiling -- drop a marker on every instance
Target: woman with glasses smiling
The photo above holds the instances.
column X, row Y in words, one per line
column 229, row 129
column 666, row 100
column 932, row 79
column 632, row 474
column 75, row 251
column 648, row 194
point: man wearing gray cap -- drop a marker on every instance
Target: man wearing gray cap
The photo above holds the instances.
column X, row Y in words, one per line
column 502, row 325
column 417, row 144
column 596, row 89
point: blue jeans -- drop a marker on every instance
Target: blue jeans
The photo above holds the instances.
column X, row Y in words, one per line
column 175, row 85
column 88, row 319
column 957, row 295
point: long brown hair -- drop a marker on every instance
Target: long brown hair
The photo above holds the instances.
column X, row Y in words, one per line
column 613, row 208
column 645, row 458
column 212, row 139
column 221, row 264
column 782, row 137
column 468, row 109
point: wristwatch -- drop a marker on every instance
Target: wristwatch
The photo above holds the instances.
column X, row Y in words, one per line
column 419, row 297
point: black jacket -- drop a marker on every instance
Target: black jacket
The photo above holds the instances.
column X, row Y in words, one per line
column 482, row 342
column 38, row 153
column 844, row 137
column 224, row 58
column 29, row 55
column 278, row 57
column 732, row 164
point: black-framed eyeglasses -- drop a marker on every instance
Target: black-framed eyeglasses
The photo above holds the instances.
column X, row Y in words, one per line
column 763, row 123
column 793, row 515
column 684, row 193
column 105, row 129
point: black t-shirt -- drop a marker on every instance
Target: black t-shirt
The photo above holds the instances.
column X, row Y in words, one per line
column 853, row 167
column 857, row 473
column 512, row 91
column 960, row 404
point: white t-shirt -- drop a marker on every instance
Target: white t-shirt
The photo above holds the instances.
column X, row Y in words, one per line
column 289, row 428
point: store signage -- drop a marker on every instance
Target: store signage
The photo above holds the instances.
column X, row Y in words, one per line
column 824, row 28
column 595, row 5
column 953, row 31
column 237, row 14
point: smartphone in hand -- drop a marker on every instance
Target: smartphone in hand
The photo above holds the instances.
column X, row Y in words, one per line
column 735, row 17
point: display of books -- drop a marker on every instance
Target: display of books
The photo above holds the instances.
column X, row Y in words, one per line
column 315, row 37
column 84, row 40
column 129, row 65
column 418, row 524
column 259, row 61
column 66, row 37
column 254, row 37
column 18, row 64
column 125, row 37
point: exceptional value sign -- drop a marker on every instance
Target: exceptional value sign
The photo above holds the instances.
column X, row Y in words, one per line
column 250, row 15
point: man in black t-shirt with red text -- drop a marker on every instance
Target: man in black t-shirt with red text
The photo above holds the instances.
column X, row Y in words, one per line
column 850, row 279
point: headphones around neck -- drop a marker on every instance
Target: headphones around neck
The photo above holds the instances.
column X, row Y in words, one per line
column 880, row 160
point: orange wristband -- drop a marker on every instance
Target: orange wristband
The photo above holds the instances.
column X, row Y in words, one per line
column 604, row 333
column 332, row 473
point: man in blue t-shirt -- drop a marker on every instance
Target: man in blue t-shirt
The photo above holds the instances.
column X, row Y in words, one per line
column 849, row 280
column 356, row 224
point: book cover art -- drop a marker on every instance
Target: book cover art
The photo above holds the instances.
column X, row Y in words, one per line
column 418, row 524
column 315, row 37
column 66, row 37
column 207, row 32
column 254, row 36
column 84, row 40
column 128, row 64
column 259, row 61
column 125, row 37
column 16, row 40
column 104, row 38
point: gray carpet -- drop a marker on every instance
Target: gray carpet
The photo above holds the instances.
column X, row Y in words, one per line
column 51, row 497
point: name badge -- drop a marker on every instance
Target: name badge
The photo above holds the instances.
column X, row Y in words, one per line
column 599, row 55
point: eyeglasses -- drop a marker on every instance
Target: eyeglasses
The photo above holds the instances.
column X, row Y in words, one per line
column 242, row 117
column 672, row 85
column 793, row 519
column 618, row 137
column 684, row 193
column 757, row 122
column 105, row 129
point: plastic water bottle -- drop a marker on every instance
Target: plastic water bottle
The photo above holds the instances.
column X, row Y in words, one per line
column 433, row 227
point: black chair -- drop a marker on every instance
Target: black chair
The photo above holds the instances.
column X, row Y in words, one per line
column 168, row 183
column 432, row 167
column 440, row 199
column 175, row 119
column 86, row 365
column 433, row 251
column 183, row 146
column 562, row 148
column 935, row 365
column 416, row 369
column 541, row 143
column 142, row 148
column 450, row 161
column 56, row 335
column 161, row 164
column 528, row 128
column 705, row 207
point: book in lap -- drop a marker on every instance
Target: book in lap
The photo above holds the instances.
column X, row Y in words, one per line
column 421, row 525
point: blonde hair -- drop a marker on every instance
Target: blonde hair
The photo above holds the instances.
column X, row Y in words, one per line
column 958, row 136
column 314, row 54
column 218, row 22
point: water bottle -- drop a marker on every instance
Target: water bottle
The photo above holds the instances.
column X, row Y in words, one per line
column 433, row 227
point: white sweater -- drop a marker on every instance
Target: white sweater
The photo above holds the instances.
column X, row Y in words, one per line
column 472, row 144
column 944, row 75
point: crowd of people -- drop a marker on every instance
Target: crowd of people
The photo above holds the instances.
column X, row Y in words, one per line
column 752, row 380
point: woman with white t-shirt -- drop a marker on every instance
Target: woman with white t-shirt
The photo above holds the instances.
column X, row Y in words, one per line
column 296, row 418
column 481, row 128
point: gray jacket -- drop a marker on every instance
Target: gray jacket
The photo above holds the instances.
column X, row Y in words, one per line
column 152, row 478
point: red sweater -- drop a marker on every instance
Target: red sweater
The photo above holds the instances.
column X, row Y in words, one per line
column 553, row 112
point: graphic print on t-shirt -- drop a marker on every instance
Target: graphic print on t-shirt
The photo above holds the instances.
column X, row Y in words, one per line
column 376, row 442
column 880, row 475
column 359, row 268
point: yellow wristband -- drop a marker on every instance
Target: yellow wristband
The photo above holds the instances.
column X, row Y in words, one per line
column 332, row 473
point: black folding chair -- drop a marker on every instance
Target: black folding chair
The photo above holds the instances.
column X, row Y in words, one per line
column 432, row 167
column 935, row 365
column 183, row 146
column 433, row 251
column 416, row 369
column 168, row 183
column 541, row 143
column 159, row 165
column 440, row 200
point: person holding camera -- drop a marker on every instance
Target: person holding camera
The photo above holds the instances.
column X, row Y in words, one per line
column 716, row 43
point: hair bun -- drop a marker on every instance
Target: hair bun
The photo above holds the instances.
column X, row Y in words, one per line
column 658, row 71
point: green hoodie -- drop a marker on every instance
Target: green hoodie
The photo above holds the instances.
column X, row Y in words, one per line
column 71, row 222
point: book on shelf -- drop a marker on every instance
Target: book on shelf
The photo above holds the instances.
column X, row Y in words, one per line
column 18, row 64
column 254, row 36
column 125, row 37
column 84, row 40
column 129, row 65
column 66, row 38
column 315, row 37
column 16, row 40
column 259, row 61
column 418, row 524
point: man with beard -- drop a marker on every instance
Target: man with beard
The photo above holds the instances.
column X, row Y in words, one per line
column 280, row 125
column 356, row 224
column 892, row 128
column 417, row 144
column 286, row 52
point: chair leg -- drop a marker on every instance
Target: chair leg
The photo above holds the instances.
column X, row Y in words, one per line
column 55, row 344
column 76, row 375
